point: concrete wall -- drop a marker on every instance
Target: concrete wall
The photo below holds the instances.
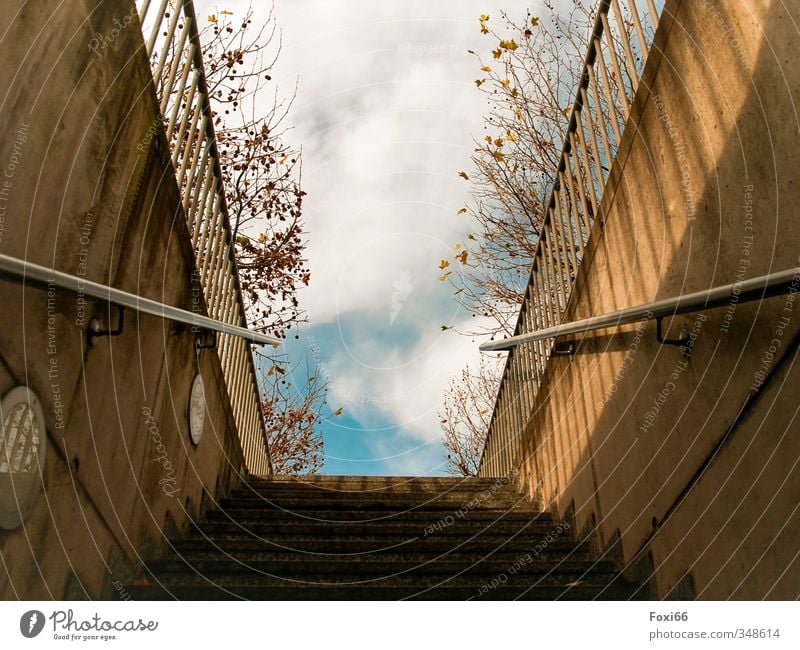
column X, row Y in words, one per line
column 91, row 191
column 686, row 465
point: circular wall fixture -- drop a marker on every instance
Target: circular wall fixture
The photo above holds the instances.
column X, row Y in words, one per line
column 23, row 444
column 197, row 409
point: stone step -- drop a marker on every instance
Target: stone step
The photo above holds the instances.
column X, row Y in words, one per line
column 432, row 545
column 360, row 593
column 471, row 489
column 341, row 479
column 402, row 502
column 325, row 569
column 535, row 531
column 250, row 550
column 244, row 515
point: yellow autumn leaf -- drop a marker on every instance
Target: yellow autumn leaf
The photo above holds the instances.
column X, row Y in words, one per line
column 444, row 264
column 509, row 45
column 462, row 257
column 262, row 237
column 457, row 246
column 517, row 113
column 511, row 136
column 504, row 83
column 498, row 142
column 225, row 12
column 463, row 175
column 461, row 211
column 496, row 53
column 212, row 19
column 486, row 68
column 498, row 155
column 535, row 21
column 488, row 139
column 472, row 237
column 514, row 92
column 271, row 371
column 444, row 277
column 484, row 18
column 338, row 411
column 483, row 411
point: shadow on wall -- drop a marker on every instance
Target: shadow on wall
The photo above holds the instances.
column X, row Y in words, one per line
column 683, row 456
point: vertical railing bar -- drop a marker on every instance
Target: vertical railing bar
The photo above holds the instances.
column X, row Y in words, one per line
column 588, row 166
column 612, row 53
column 143, row 11
column 602, row 119
column 560, row 245
column 601, row 178
column 637, row 25
column 608, row 92
column 212, row 238
column 191, row 150
column 220, row 274
column 555, row 256
column 583, row 222
column 190, row 109
column 173, row 69
column 572, row 161
column 544, row 293
column 209, row 214
column 156, row 28
column 539, row 320
column 552, row 289
column 199, row 179
column 173, row 116
column 654, row 13
column 626, row 46
column 565, row 216
column 162, row 58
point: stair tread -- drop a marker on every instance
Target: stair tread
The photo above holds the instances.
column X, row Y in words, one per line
column 303, row 592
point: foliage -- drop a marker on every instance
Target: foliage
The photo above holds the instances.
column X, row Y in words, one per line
column 261, row 172
column 466, row 415
column 293, row 414
column 528, row 78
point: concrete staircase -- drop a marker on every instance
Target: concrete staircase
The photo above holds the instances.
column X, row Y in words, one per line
column 378, row 538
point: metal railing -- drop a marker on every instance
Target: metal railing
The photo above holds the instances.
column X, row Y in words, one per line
column 43, row 276
column 619, row 44
column 174, row 49
column 758, row 288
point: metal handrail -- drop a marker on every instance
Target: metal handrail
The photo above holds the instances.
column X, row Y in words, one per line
column 45, row 276
column 763, row 286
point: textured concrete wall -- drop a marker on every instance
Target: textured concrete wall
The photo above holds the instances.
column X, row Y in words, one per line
column 91, row 191
column 686, row 464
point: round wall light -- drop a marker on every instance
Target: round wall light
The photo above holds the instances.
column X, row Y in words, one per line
column 23, row 446
column 197, row 409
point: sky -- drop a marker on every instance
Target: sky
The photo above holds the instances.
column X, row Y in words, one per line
column 386, row 112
